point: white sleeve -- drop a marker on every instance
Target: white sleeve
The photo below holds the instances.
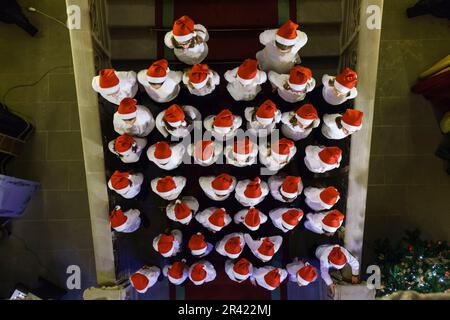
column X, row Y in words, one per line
column 165, row 270
column 263, row 218
column 277, row 241
column 352, row 261
column 239, row 217
column 262, row 77
column 215, row 78
column 267, row 36
column 177, row 76
column 168, row 39
column 230, row 75
column 155, row 242
column 252, row 244
column 203, row 32
column 324, row 271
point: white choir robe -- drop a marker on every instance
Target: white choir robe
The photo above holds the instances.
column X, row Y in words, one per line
column 142, row 127
column 210, row 272
column 330, row 128
column 191, row 202
column 255, row 127
column 276, row 215
column 259, row 274
column 279, row 81
column 133, row 190
column 313, row 162
column 179, row 281
column 181, row 131
column 218, row 148
column 329, row 94
column 128, row 87
column 314, row 222
column 250, row 202
column 220, row 245
column 273, row 164
column 240, row 218
column 180, row 183
column 178, row 240
column 229, row 265
column 169, row 89
column 205, row 184
column 208, row 123
column 293, row 130
column 152, row 274
column 322, row 253
column 247, row 92
column 234, row 161
column 275, row 183
column 132, row 223
column 312, row 199
column 193, row 55
column 271, row 58
column 176, row 158
column 208, row 88
column 130, row 156
column 203, row 218
column 255, row 244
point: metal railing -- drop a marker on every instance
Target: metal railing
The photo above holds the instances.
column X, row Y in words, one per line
column 349, row 33
column 100, row 33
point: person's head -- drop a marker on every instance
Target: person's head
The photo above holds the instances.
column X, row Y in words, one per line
column 183, row 32
column 283, row 48
column 157, row 73
column 286, row 36
column 109, row 83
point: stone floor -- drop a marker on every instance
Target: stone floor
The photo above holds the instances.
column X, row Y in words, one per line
column 54, row 231
column 408, row 186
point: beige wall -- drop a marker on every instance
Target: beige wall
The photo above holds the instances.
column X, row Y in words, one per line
column 408, row 186
column 56, row 226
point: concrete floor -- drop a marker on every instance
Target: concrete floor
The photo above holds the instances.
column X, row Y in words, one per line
column 408, row 186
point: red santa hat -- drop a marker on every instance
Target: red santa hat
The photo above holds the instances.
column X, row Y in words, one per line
column 330, row 155
column 332, row 221
column 197, row 244
column 233, row 247
column 223, row 122
column 253, row 189
column 217, row 219
column 241, row 269
column 252, row 219
column 266, row 249
column 163, row 152
column 337, row 258
column 306, row 114
column 299, row 77
column 198, row 273
column 242, row 149
column 287, row 34
column 117, row 218
column 346, row 80
column 127, row 109
column 182, row 212
column 290, row 187
column 306, row 274
column 176, row 271
column 204, row 150
column 183, row 29
column 109, row 83
column 352, row 120
column 266, row 112
column 166, row 186
column 123, row 143
column 165, row 244
column 282, row 149
column 157, row 73
column 139, row 281
column 222, row 184
column 174, row 115
column 291, row 218
column 273, row 278
column 329, row 196
column 247, row 71
column 120, row 181
column 198, row 75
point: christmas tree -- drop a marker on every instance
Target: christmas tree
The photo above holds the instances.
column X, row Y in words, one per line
column 413, row 264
